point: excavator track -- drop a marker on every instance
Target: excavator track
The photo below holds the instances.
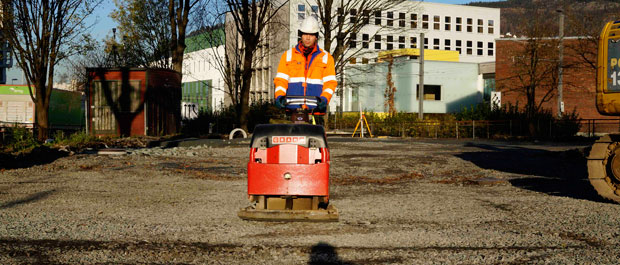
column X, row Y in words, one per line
column 604, row 167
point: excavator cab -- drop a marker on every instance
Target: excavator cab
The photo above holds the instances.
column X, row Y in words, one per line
column 608, row 71
column 604, row 157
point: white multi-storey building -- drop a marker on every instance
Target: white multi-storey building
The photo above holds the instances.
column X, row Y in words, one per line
column 467, row 29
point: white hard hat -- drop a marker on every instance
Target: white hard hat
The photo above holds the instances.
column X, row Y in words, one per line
column 309, row 25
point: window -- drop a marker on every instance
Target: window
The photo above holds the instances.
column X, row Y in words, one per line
column 401, row 39
column 425, row 43
column 364, row 60
column 301, row 11
column 340, row 15
column 480, row 50
column 490, row 49
column 414, row 21
column 378, row 42
column 459, row 22
column 446, row 44
column 365, row 41
column 431, row 92
column 470, row 51
column 378, row 18
column 435, row 44
column 390, row 38
column 413, row 42
column 480, row 26
column 352, row 60
column 458, row 46
column 366, row 17
column 390, row 19
column 436, row 20
column 352, row 41
column 425, row 21
column 390, row 46
column 353, row 16
column 447, row 22
column 401, row 20
column 469, row 25
column 490, row 26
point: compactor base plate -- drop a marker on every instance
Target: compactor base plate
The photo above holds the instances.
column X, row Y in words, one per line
column 321, row 215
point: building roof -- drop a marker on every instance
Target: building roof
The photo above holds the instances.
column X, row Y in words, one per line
column 205, row 39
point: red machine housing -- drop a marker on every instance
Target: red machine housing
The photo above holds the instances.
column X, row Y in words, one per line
column 289, row 160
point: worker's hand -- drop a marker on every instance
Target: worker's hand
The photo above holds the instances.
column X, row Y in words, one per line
column 280, row 102
column 322, row 106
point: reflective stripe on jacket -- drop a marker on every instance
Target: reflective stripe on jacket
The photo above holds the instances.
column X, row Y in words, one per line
column 292, row 78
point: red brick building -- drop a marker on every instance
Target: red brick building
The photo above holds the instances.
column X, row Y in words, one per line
column 514, row 59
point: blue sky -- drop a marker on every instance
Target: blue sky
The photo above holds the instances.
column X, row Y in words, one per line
column 103, row 24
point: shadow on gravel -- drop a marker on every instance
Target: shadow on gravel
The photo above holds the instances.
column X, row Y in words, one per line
column 557, row 173
column 38, row 156
column 32, row 198
column 325, row 254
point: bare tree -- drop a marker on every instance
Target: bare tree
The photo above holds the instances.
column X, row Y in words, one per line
column 152, row 32
column 532, row 65
column 249, row 21
column 178, row 13
column 342, row 21
column 91, row 55
column 390, row 89
column 42, row 34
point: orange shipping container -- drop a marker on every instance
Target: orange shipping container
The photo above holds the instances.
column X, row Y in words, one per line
column 133, row 101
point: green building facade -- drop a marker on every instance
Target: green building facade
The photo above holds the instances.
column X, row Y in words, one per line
column 200, row 93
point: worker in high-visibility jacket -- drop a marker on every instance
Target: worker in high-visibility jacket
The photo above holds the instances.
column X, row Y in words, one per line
column 306, row 70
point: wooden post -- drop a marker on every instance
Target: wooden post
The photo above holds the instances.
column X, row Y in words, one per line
column 473, row 129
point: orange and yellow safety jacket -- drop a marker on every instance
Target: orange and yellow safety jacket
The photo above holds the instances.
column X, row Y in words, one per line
column 301, row 76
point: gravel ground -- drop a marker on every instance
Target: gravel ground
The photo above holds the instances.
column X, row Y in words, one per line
column 400, row 202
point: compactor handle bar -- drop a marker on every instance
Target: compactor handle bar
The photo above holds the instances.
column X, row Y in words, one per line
column 310, row 101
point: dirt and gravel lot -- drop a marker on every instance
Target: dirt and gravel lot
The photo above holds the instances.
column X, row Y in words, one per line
column 400, row 202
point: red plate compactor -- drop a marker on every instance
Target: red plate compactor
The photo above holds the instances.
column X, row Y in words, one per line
column 288, row 171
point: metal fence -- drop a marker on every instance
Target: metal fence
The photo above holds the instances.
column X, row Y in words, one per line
column 489, row 128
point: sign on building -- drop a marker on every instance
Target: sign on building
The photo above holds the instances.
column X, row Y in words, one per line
column 496, row 100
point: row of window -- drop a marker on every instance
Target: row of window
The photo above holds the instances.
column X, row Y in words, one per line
column 460, row 24
column 400, row 42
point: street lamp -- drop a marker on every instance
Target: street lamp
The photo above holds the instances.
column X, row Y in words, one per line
column 561, row 50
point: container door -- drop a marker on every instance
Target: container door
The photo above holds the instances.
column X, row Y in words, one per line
column 104, row 121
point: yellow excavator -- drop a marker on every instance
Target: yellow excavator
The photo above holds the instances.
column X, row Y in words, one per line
column 604, row 158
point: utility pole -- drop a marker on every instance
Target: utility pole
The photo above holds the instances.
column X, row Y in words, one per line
column 421, row 85
column 561, row 48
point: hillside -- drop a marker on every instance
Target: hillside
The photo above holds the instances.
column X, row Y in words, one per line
column 581, row 17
